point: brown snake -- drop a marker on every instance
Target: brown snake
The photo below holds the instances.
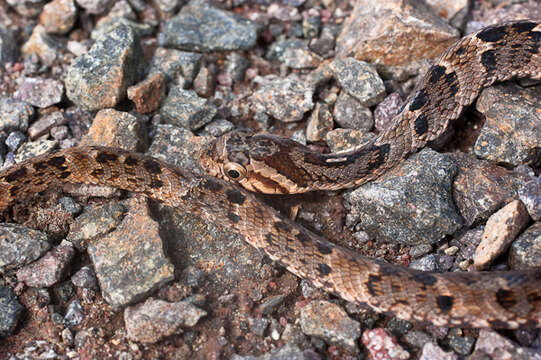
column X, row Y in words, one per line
column 496, row 299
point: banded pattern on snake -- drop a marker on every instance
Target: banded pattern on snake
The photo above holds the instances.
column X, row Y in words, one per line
column 495, row 299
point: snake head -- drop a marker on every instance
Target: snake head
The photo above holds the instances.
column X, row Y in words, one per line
column 254, row 161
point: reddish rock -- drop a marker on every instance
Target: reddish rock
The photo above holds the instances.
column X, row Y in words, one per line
column 148, row 94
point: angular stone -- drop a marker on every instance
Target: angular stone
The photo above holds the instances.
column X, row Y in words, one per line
column 525, row 252
column 179, row 67
column 40, row 92
column 34, row 148
column 45, row 124
column 14, row 114
column 320, row 123
column 383, row 345
column 530, row 194
column 350, row 114
column 186, row 109
column 95, row 6
column 42, row 44
column 360, row 80
column 20, row 246
column 10, row 311
column 433, row 351
column 200, row 27
column 58, row 16
column 8, row 47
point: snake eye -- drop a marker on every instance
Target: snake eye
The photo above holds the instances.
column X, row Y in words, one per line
column 234, row 171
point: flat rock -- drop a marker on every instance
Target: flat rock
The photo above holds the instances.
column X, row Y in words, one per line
column 130, row 262
column 382, row 345
column 14, row 114
column 530, row 195
column 350, row 114
column 20, row 246
column 511, row 133
column 186, row 109
column 154, row 319
column 501, row 229
column 178, row 67
column 99, row 78
column 40, row 92
column 58, row 16
column 42, row 44
column 411, row 205
column 34, row 148
column 44, row 124
column 148, row 94
column 10, row 311
column 201, row 27
column 525, row 252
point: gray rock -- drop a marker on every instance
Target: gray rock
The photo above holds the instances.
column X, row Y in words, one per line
column 85, row 278
column 288, row 352
column 513, row 123
column 494, row 346
column 8, row 47
column 300, row 59
column 360, row 80
column 74, row 315
column 95, row 6
column 350, row 114
column 70, row 205
column 43, row 125
column 320, row 123
column 277, row 49
column 49, row 269
column 271, row 304
column 10, row 311
column 433, row 351
column 235, row 66
column 186, row 109
column 525, row 251
column 387, row 110
column 259, row 325
column 462, row 345
column 99, row 78
column 14, row 140
column 130, row 262
column 331, row 323
column 154, row 319
column 410, row 206
column 94, row 222
column 530, row 194
column 40, row 92
column 14, row 114
column 219, row 127
column 426, row 263
column 285, row 99
column 177, row 66
column 20, row 246
column 200, row 27
column 416, row 338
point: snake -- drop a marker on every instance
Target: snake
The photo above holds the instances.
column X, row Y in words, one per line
column 499, row 299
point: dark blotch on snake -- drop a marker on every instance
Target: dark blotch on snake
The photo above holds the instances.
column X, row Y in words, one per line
column 436, row 72
column 324, row 269
column 372, row 284
column 492, row 34
column 445, row 303
column 16, row 175
column 156, row 183
column 40, row 166
column 212, row 184
column 64, row 174
column 524, row 26
column 425, row 278
column 14, row 191
column 460, row 51
column 268, row 239
column 381, row 156
column 97, row 172
column 235, row 196
column 506, row 298
column 104, row 157
column 420, row 99
column 488, row 59
column 421, row 124
column 152, row 166
column 303, row 238
column 452, row 80
column 233, row 217
column 130, row 161
column 324, row 248
column 57, row 162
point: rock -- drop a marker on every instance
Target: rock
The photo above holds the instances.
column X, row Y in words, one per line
column 394, row 33
column 200, row 27
column 426, row 263
column 155, row 319
column 300, row 59
column 462, row 345
column 8, row 47
column 32, row 149
column 525, row 251
column 344, row 139
column 320, row 123
column 481, row 188
column 58, row 16
column 360, row 80
column 284, row 99
column 10, row 311
column 501, row 229
column 42, row 44
column 14, row 114
column 27, row 8
column 177, row 66
column 74, row 315
column 511, row 131
column 530, row 195
column 204, row 83
column 95, row 6
column 14, row 140
column 99, row 78
column 382, row 345
column 219, row 127
column 432, row 351
column 43, row 125
column 186, row 109
column 95, row 222
column 148, row 94
column 20, row 246
column 277, row 49
column 386, row 111
column 40, row 92
column 494, row 346
column 484, row 16
column 130, row 262
column 324, row 45
column 49, row 269
column 331, row 323
column 410, row 205
column 287, row 352
column 350, row 114
column 271, row 304
column 236, row 66
column 117, row 129
column 85, row 278
column 259, row 325
column 416, row 338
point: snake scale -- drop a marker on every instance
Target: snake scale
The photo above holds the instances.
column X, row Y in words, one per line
column 475, row 299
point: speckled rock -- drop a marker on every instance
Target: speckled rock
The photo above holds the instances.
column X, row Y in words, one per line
column 99, row 78
column 350, row 114
column 58, row 16
column 14, row 140
column 154, row 319
column 74, row 314
column 481, row 188
column 186, row 109
column 8, row 48
column 383, row 345
column 34, row 148
column 219, row 127
column 513, row 123
column 432, row 351
column 284, row 99
column 118, row 129
column 179, row 67
column 300, row 59
column 10, row 311
column 95, row 222
column 95, row 6
column 27, row 8
column 200, row 27
column 525, row 251
column 496, row 347
column 129, row 262
column 85, row 278
column 449, row 9
column 394, row 33
column 289, row 351
column 14, row 114
column 148, row 94
column 49, row 269
column 42, row 44
column 44, row 124
column 360, row 80
column 40, row 92
column 277, row 49
column 344, row 139
column 386, row 110
column 411, row 205
column 331, row 323
column 320, row 123
column 530, row 195
column 459, row 343
column 501, row 229
column 20, row 246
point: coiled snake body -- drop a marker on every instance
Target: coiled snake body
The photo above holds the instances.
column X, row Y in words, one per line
column 495, row 299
